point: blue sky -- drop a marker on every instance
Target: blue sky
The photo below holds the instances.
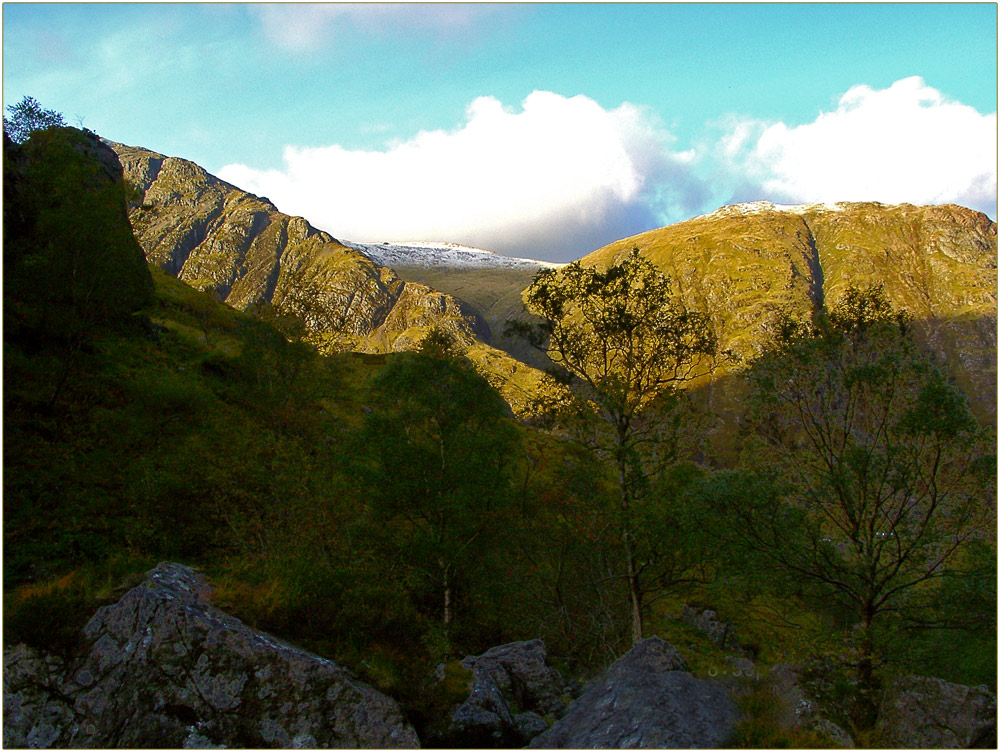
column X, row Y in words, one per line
column 537, row 129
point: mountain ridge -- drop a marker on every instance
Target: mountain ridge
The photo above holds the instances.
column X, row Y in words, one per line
column 448, row 255
column 744, row 264
column 238, row 246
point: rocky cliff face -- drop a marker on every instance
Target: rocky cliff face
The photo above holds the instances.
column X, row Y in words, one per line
column 744, row 263
column 923, row 712
column 166, row 669
column 245, row 252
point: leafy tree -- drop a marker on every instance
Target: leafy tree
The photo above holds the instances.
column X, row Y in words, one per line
column 868, row 477
column 28, row 116
column 626, row 343
column 440, row 344
column 436, row 466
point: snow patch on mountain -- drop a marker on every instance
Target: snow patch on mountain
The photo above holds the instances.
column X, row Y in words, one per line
column 757, row 207
column 449, row 255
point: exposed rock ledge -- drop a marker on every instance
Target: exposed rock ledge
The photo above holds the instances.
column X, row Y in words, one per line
column 166, row 669
column 646, row 700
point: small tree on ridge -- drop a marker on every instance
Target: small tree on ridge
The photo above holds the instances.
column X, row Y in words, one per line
column 28, row 116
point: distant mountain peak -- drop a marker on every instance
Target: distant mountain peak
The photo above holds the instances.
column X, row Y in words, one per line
column 437, row 245
column 434, row 254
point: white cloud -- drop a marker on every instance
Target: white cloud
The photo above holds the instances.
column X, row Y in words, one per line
column 554, row 180
column 562, row 176
column 907, row 143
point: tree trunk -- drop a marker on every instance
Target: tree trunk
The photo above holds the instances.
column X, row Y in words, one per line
column 866, row 710
column 631, row 574
column 446, row 581
column 67, row 365
column 635, row 595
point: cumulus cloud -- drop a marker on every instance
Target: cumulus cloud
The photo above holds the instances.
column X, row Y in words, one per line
column 907, row 143
column 561, row 176
column 556, row 179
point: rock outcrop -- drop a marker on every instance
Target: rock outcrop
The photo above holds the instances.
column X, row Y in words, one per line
column 71, row 262
column 798, row 710
column 920, row 712
column 164, row 668
column 706, row 621
column 513, row 690
column 647, row 699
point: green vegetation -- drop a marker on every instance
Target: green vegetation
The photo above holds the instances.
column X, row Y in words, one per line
column 28, row 116
column 435, row 463
column 71, row 264
column 629, row 344
column 866, row 481
column 763, row 727
column 388, row 511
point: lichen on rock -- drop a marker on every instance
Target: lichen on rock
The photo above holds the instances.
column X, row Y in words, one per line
column 165, row 668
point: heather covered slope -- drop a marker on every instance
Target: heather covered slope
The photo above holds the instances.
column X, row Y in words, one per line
column 745, row 263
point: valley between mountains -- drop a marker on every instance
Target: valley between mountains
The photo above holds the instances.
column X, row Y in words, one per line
column 729, row 482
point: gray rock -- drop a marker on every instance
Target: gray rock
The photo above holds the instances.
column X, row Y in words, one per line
column 707, row 621
column 37, row 707
column 923, row 712
column 798, row 709
column 167, row 669
column 512, row 687
column 647, row 699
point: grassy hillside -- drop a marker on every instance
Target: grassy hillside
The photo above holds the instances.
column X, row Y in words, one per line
column 199, row 434
column 495, row 294
column 744, row 264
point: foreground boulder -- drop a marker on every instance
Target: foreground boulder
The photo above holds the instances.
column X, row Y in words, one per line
column 647, row 699
column 166, row 669
column 513, row 689
column 922, row 712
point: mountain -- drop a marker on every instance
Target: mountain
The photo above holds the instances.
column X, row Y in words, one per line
column 742, row 264
column 432, row 255
column 239, row 247
column 489, row 283
column 745, row 263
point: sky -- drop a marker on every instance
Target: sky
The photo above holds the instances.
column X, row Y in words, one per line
column 538, row 130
